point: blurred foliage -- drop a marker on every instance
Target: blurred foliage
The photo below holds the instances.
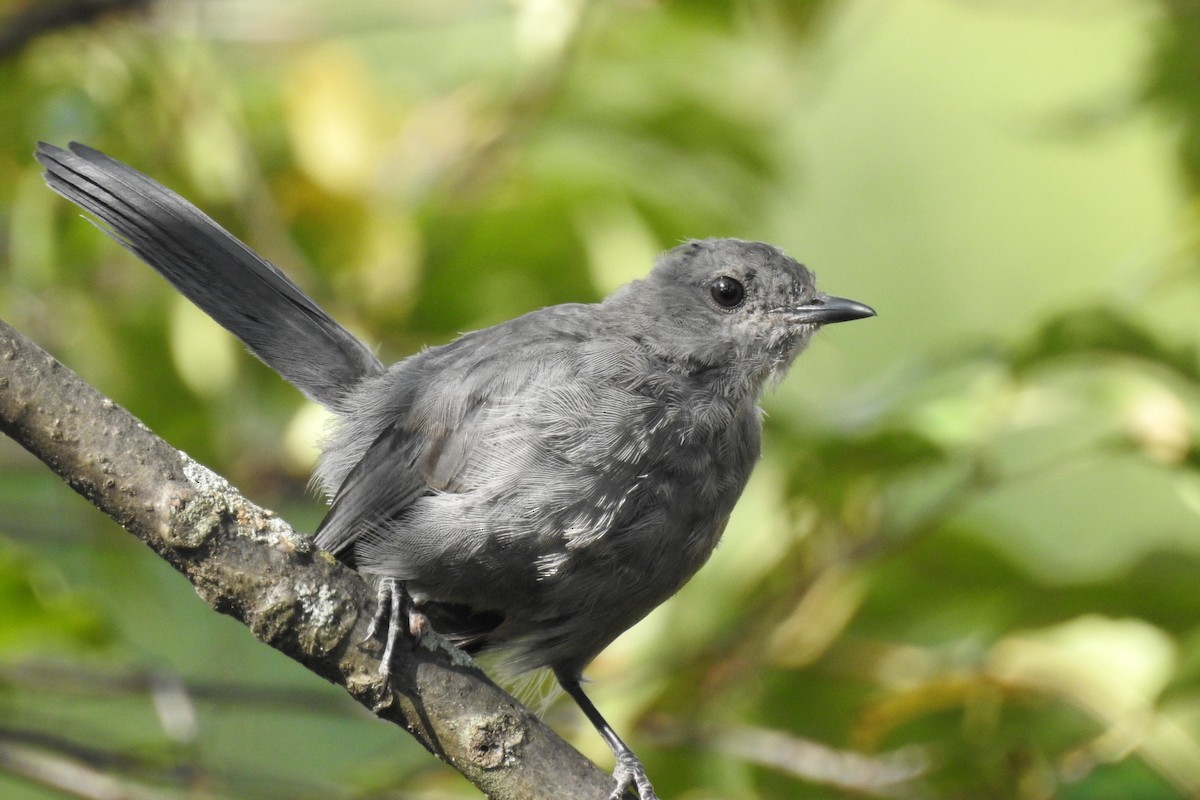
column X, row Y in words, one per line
column 969, row 564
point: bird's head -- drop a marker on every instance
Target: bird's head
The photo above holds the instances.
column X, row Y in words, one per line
column 743, row 308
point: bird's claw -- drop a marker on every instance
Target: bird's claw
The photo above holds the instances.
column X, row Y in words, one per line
column 630, row 774
column 394, row 604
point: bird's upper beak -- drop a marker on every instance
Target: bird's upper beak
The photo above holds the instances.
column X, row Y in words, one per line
column 825, row 309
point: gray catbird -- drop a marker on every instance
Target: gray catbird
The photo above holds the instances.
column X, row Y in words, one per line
column 536, row 487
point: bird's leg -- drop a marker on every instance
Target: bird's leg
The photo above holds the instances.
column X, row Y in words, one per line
column 629, row 772
column 393, row 603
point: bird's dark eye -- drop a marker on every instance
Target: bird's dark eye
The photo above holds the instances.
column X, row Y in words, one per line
column 727, row 292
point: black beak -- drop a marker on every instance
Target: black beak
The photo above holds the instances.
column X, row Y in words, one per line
column 825, row 309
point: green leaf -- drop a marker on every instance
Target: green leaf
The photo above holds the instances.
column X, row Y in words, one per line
column 825, row 464
column 1101, row 330
column 40, row 612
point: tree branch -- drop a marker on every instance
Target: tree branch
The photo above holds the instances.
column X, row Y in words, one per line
column 247, row 563
column 70, row 773
column 40, row 18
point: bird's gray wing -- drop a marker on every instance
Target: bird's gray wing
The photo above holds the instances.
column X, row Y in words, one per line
column 379, row 487
column 444, row 431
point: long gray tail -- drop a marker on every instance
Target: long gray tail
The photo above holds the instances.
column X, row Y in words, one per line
column 250, row 297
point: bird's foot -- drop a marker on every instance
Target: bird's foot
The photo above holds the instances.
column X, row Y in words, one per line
column 395, row 605
column 630, row 774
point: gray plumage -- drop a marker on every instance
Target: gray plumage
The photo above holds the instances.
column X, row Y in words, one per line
column 536, row 487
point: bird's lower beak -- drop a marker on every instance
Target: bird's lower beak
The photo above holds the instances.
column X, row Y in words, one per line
column 825, row 309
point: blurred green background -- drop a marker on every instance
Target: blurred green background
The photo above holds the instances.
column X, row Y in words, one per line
column 968, row 565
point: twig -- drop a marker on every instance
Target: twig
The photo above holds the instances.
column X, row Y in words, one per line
column 65, row 678
column 40, row 18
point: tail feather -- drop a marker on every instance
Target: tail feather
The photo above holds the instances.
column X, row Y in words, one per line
column 246, row 294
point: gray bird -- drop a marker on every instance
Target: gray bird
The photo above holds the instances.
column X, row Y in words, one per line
column 533, row 488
